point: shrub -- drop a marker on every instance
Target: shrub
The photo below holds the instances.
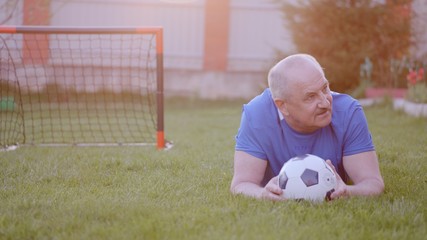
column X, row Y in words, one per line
column 341, row 33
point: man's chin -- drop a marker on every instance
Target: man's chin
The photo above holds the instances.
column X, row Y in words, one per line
column 325, row 117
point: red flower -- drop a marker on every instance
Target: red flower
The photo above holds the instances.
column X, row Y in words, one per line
column 412, row 77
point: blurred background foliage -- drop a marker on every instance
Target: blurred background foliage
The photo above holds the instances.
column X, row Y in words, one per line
column 341, row 34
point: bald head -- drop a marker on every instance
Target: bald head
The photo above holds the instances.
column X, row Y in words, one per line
column 290, row 71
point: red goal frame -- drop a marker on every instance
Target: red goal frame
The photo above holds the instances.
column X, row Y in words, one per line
column 157, row 31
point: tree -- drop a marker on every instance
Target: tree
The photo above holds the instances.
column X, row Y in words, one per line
column 342, row 33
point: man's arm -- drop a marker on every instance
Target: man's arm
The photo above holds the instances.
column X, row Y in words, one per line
column 363, row 170
column 248, row 174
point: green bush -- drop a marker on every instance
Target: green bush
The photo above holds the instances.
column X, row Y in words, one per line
column 341, row 33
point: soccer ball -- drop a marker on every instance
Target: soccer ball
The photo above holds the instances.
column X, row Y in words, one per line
column 307, row 177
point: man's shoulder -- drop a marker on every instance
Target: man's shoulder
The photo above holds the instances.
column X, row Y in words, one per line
column 261, row 100
column 261, row 108
column 344, row 109
column 344, row 103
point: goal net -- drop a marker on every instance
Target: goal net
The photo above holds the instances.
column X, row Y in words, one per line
column 81, row 86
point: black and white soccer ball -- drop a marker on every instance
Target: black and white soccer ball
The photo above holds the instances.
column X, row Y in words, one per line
column 307, row 177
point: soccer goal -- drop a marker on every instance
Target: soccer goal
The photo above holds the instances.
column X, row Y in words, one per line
column 83, row 86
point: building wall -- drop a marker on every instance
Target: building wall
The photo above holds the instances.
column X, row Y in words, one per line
column 255, row 33
column 183, row 25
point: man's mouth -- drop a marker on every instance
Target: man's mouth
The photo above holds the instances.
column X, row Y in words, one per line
column 323, row 113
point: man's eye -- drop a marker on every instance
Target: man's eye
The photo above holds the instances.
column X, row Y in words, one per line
column 325, row 90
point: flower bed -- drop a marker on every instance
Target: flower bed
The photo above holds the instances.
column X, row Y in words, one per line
column 417, row 87
column 412, row 100
column 372, row 92
column 410, row 108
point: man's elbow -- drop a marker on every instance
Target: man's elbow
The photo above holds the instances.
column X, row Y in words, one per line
column 232, row 190
column 378, row 188
column 233, row 187
column 381, row 186
column 236, row 188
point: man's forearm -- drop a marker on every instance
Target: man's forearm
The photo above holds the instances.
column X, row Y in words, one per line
column 247, row 189
column 368, row 187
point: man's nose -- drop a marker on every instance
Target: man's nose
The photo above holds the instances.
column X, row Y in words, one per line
column 324, row 101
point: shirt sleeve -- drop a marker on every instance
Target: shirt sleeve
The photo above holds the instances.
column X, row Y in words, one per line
column 246, row 138
column 357, row 139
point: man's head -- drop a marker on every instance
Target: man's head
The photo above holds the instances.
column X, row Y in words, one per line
column 301, row 92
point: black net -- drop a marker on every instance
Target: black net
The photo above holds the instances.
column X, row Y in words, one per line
column 61, row 88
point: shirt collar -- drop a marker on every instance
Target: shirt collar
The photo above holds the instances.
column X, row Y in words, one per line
column 280, row 115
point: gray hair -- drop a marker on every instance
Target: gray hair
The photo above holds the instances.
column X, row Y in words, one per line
column 281, row 75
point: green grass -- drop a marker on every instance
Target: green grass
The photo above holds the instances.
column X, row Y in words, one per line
column 183, row 193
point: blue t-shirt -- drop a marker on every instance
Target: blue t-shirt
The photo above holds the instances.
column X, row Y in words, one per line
column 263, row 134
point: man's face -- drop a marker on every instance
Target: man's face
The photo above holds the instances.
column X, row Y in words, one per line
column 309, row 105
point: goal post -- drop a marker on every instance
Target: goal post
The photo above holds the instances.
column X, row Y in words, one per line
column 83, row 86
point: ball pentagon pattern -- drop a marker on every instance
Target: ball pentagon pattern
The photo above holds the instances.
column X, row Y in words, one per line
column 307, row 177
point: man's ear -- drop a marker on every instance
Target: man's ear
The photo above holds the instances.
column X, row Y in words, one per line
column 282, row 106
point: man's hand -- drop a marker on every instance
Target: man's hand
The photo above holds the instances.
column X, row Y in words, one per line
column 364, row 172
column 341, row 187
column 272, row 191
column 248, row 177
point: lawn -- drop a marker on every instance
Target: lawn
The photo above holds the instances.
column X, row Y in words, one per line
column 183, row 193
